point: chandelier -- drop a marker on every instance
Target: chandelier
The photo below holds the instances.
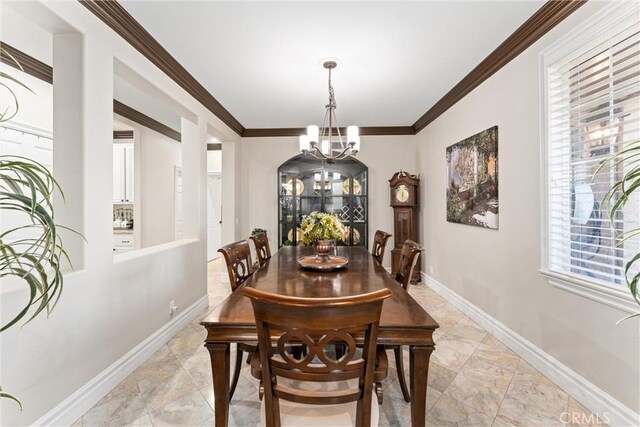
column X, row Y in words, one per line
column 327, row 143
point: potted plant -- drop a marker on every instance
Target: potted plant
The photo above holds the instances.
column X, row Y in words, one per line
column 321, row 230
column 258, row 230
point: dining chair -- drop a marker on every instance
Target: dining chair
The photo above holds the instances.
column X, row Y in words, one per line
column 261, row 241
column 407, row 262
column 295, row 389
column 237, row 255
column 379, row 245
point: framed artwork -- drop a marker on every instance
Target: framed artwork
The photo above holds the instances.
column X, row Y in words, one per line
column 472, row 180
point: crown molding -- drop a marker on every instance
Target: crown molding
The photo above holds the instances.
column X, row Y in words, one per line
column 548, row 16
column 122, row 134
column 119, row 20
column 30, row 65
column 268, row 132
column 144, row 120
column 364, row 131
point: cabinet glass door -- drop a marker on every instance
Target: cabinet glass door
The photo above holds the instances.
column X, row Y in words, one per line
column 306, row 185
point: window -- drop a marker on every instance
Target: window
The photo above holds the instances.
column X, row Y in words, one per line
column 592, row 91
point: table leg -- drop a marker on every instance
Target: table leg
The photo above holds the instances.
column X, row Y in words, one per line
column 220, row 366
column 419, row 370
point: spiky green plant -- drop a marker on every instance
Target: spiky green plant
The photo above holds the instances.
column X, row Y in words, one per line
column 28, row 187
column 615, row 201
column 9, row 111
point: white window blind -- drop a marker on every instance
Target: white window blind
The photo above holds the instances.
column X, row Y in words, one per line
column 593, row 111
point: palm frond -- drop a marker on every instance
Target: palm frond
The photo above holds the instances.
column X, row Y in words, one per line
column 12, row 98
column 9, row 396
column 27, row 187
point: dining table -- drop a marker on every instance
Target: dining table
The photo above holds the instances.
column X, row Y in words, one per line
column 402, row 322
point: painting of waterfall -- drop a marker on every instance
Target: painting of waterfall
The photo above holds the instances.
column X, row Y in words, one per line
column 472, row 180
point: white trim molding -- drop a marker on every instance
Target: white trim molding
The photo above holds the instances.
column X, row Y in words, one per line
column 619, row 298
column 581, row 389
column 83, row 399
column 591, row 33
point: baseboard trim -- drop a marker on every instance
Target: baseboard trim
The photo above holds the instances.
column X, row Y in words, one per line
column 83, row 399
column 588, row 394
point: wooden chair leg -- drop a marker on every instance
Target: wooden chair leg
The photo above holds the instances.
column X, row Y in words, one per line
column 236, row 371
column 272, row 410
column 397, row 351
column 363, row 411
column 379, row 393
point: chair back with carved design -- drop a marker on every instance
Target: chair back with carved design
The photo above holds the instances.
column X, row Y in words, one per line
column 379, row 245
column 318, row 323
column 262, row 247
column 239, row 265
column 408, row 259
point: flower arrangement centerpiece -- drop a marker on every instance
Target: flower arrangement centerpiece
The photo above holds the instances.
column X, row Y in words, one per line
column 321, row 229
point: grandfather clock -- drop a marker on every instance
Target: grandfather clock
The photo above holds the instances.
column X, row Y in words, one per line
column 404, row 200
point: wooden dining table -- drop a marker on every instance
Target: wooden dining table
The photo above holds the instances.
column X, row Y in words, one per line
column 403, row 321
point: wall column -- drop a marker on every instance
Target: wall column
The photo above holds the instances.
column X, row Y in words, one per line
column 230, row 187
column 193, row 170
column 68, row 153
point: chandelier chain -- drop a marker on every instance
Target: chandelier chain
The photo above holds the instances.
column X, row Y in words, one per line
column 332, row 96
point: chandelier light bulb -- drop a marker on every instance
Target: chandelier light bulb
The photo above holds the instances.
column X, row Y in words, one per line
column 352, row 134
column 313, row 132
column 325, row 147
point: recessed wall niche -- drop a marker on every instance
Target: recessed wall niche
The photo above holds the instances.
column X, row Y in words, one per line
column 147, row 164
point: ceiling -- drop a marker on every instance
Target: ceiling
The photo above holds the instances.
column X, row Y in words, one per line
column 262, row 60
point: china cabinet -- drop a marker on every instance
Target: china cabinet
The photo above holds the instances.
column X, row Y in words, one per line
column 306, row 185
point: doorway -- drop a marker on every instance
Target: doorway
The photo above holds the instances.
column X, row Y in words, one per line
column 214, row 214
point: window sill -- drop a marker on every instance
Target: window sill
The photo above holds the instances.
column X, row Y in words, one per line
column 152, row 250
column 620, row 299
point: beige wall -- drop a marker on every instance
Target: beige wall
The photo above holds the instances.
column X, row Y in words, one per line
column 261, row 157
column 214, row 161
column 498, row 270
column 159, row 156
column 108, row 307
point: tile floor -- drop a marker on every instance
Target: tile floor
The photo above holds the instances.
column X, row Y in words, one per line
column 474, row 380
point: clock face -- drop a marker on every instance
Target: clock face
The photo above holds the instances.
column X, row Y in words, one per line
column 402, row 193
